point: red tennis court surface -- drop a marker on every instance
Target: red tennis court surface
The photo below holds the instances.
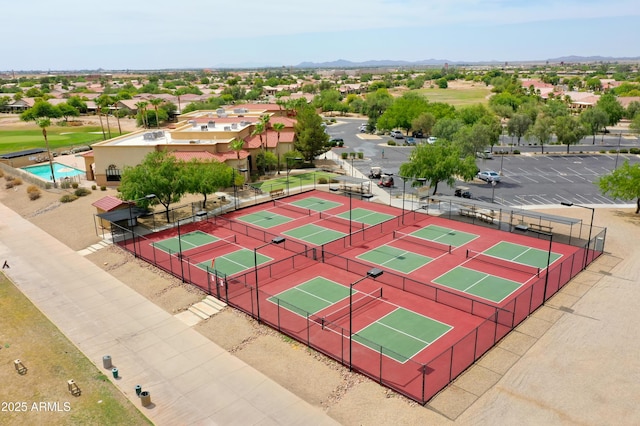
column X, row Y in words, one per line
column 476, row 322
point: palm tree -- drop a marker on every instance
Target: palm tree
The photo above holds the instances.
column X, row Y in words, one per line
column 98, row 103
column 258, row 130
column 142, row 109
column 115, row 100
column 278, row 127
column 43, row 123
column 103, row 106
column 155, row 102
column 265, row 118
column 237, row 145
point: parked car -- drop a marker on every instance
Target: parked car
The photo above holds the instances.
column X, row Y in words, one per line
column 417, row 134
column 489, row 176
column 409, row 141
column 363, row 128
column 431, row 139
column 375, row 173
column 486, row 154
column 462, row 191
column 396, row 134
column 336, row 142
column 386, row 181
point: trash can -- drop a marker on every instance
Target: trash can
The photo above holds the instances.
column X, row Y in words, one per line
column 138, row 390
column 114, row 371
column 106, row 361
column 145, row 398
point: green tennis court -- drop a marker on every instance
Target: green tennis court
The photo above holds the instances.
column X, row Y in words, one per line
column 522, row 254
column 315, row 203
column 365, row 216
column 445, row 236
column 311, row 296
column 314, row 234
column 405, row 331
column 234, row 262
column 186, row 242
column 265, row 219
column 480, row 284
column 395, row 258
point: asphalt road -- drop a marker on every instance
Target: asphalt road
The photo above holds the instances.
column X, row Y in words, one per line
column 530, row 178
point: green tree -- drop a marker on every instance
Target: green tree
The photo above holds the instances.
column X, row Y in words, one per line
column 67, row 111
column 142, row 113
column 266, row 160
column 518, row 125
column 470, row 115
column 446, row 128
column 78, row 104
column 541, row 131
column 439, row 162
column 376, row 103
column 635, row 124
column 403, row 111
column 311, row 138
column 594, row 119
column 623, row 182
column 614, row 109
column 632, row 109
column 42, row 112
column 555, row 108
column 424, row 123
column 160, row 173
column 206, row 177
column 568, row 130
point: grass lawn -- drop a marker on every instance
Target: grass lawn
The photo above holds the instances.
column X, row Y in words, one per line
column 51, row 360
column 12, row 140
column 295, row 180
column 457, row 96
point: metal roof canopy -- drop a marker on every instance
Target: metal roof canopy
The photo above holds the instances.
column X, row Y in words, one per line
column 24, row 153
column 511, row 210
column 124, row 214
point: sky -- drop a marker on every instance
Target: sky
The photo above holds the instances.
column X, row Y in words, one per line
column 161, row 34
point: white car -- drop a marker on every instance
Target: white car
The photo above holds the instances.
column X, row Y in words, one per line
column 489, row 176
column 396, row 134
column 431, row 139
column 362, row 128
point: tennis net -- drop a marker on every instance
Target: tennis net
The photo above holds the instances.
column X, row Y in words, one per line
column 342, row 221
column 292, row 207
column 210, row 246
column 498, row 261
column 421, row 241
column 360, row 300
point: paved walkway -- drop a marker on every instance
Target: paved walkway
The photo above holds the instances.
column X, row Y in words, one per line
column 191, row 380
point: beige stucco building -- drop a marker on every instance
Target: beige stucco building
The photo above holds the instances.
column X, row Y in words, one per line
column 199, row 134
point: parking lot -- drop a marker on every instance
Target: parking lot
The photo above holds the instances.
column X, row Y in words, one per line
column 529, row 178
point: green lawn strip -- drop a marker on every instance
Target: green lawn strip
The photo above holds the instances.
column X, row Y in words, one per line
column 52, row 360
column 59, row 137
column 457, row 97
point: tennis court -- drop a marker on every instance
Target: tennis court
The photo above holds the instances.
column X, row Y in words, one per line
column 312, row 296
column 314, row 234
column 316, row 204
column 233, row 262
column 185, row 242
column 442, row 235
column 407, row 332
column 395, row 258
column 480, row 284
column 520, row 254
column 365, row 216
column 265, row 219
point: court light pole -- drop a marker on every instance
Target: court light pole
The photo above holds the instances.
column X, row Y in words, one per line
column 288, row 160
column 235, row 187
column 593, row 211
column 546, row 276
column 275, row 240
column 371, row 273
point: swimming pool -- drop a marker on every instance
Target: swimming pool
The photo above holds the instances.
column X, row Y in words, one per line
column 43, row 171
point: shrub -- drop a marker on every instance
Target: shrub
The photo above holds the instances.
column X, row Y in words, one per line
column 17, row 181
column 67, row 198
column 322, row 181
column 516, row 151
column 624, row 151
column 81, row 192
column 613, row 151
column 391, row 143
column 33, row 192
column 602, row 151
column 634, row 151
column 103, row 188
column 65, row 184
column 361, row 155
column 344, row 155
column 9, row 178
column 75, row 185
column 93, row 187
column 47, row 185
column 340, row 144
column 9, row 184
column 352, row 154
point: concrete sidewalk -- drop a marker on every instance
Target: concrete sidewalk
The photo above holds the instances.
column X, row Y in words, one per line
column 191, row 380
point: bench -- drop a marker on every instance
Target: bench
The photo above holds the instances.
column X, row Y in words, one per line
column 543, row 228
column 276, row 193
column 353, row 189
